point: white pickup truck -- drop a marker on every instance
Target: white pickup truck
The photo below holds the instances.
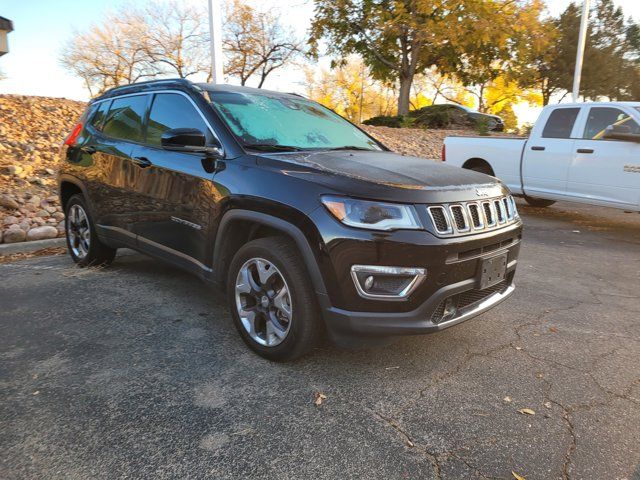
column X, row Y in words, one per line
column 580, row 152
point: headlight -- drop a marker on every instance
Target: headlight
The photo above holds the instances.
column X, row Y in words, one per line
column 372, row 215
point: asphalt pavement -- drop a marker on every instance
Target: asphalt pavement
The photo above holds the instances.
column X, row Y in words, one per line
column 136, row 371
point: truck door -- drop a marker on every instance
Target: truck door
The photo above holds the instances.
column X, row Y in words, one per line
column 605, row 170
column 548, row 155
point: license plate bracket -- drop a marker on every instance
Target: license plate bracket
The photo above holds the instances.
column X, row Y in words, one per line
column 492, row 271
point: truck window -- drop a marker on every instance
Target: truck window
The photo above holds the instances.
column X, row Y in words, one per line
column 560, row 123
column 601, row 117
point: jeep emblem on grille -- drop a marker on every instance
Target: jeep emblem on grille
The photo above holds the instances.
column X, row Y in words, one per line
column 482, row 192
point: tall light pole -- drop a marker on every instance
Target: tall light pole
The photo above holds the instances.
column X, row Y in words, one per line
column 215, row 33
column 582, row 39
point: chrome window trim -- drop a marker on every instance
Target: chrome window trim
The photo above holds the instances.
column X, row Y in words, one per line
column 153, row 92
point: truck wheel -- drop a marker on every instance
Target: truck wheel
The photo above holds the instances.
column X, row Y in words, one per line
column 83, row 243
column 538, row 202
column 272, row 302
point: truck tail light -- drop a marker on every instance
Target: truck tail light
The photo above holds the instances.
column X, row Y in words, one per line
column 443, row 155
column 73, row 136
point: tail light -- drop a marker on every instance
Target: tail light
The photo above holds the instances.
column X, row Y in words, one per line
column 443, row 155
column 73, row 136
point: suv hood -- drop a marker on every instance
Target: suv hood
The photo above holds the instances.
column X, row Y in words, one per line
column 389, row 176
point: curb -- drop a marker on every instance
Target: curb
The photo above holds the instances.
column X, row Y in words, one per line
column 26, row 247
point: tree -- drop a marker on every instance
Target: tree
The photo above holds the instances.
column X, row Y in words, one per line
column 400, row 38
column 109, row 55
column 134, row 44
column 176, row 37
column 609, row 69
column 350, row 91
column 256, row 43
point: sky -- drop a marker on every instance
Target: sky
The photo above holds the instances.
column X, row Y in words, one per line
column 41, row 27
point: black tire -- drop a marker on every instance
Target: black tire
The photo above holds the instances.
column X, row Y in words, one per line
column 97, row 253
column 538, row 202
column 304, row 326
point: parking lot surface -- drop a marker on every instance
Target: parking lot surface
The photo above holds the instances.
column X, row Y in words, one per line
column 136, row 371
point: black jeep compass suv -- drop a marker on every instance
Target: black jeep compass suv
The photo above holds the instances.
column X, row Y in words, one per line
column 307, row 222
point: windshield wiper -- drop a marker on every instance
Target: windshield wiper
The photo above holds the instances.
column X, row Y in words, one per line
column 352, row 147
column 270, row 147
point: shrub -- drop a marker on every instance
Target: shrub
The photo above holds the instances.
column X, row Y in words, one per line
column 385, row 121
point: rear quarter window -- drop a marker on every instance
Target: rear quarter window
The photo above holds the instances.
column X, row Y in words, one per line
column 560, row 123
column 125, row 118
column 99, row 114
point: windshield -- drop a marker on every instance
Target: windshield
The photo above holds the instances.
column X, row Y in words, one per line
column 264, row 120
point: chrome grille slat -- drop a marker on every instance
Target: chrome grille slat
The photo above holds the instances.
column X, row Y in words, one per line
column 474, row 216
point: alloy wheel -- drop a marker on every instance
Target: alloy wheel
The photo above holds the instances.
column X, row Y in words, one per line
column 78, row 231
column 263, row 300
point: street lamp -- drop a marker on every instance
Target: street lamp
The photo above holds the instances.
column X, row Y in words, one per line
column 582, row 38
column 215, row 33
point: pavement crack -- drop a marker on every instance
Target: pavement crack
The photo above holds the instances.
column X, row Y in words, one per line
column 409, row 442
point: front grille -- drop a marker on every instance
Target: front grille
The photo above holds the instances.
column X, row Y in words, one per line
column 459, row 218
column 488, row 214
column 474, row 211
column 472, row 217
column 440, row 220
column 468, row 299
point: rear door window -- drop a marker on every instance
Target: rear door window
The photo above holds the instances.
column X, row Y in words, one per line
column 560, row 123
column 125, row 118
column 172, row 110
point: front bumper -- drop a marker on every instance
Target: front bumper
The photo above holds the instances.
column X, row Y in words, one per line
column 344, row 324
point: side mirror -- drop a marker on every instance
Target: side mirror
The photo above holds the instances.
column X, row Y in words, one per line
column 621, row 132
column 189, row 140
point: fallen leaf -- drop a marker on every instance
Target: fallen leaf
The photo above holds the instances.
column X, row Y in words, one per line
column 527, row 411
column 507, row 399
column 547, row 404
column 516, row 476
column 553, row 329
column 319, row 397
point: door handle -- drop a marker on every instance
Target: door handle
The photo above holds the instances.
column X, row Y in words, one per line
column 89, row 149
column 585, row 150
column 142, row 162
column 537, row 149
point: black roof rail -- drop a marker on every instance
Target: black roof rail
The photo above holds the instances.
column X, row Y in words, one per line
column 145, row 86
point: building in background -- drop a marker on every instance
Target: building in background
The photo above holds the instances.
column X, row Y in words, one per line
column 6, row 26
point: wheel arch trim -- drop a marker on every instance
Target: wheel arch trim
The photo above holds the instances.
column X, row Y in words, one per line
column 278, row 224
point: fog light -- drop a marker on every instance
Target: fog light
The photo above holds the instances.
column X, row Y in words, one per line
column 386, row 283
column 368, row 283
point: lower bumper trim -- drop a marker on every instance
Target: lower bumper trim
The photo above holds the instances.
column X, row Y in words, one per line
column 346, row 323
